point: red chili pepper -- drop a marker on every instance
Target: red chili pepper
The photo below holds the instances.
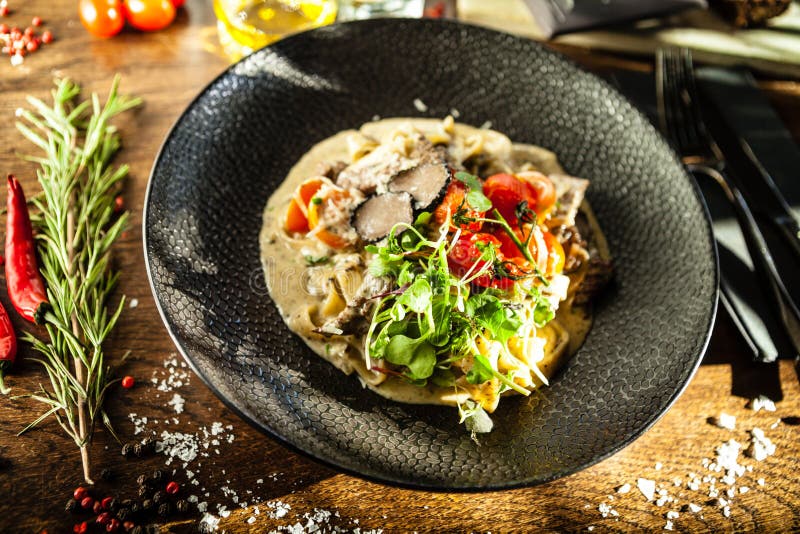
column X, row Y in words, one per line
column 8, row 346
column 25, row 284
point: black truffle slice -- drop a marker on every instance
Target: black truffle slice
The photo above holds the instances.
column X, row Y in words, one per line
column 426, row 182
column 374, row 218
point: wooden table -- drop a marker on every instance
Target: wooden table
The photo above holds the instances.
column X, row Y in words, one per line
column 167, row 69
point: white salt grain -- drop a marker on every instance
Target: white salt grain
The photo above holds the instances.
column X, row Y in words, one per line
column 761, row 402
column 625, row 488
column 420, row 105
column 178, row 403
column 760, row 446
column 251, row 520
column 694, row 508
column 724, row 421
column 668, row 525
column 134, row 303
column 647, row 487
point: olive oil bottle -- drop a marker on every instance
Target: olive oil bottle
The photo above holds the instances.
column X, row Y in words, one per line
column 247, row 25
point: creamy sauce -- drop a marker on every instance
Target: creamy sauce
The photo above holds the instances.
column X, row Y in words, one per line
column 299, row 290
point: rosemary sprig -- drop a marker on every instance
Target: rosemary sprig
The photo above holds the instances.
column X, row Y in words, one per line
column 76, row 229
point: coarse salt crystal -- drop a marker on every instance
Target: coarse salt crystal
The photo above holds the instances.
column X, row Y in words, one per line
column 178, row 403
column 760, row 446
column 647, row 487
column 761, row 402
column 668, row 525
column 744, row 489
column 658, row 466
column 694, row 508
column 134, row 303
column 760, row 482
column 420, row 105
column 724, row 421
column 625, row 488
column 251, row 520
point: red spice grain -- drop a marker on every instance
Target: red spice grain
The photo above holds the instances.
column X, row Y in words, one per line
column 172, row 487
column 112, row 525
column 37, row 21
column 81, row 528
column 128, row 382
column 47, row 37
column 103, row 518
column 79, row 493
column 106, row 503
column 87, row 503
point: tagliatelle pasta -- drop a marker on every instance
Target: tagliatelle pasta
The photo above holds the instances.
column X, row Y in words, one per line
column 440, row 263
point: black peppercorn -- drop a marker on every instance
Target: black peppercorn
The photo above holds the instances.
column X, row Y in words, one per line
column 157, row 476
column 137, row 450
column 137, row 530
column 107, row 474
column 144, row 491
column 123, row 513
column 182, row 506
column 142, row 480
column 127, row 450
column 164, row 509
column 136, row 508
column 72, row 506
column 147, row 505
column 159, row 497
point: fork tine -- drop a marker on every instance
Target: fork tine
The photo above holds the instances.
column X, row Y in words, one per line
column 694, row 120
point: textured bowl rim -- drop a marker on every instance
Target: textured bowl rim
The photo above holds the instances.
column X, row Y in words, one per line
column 386, row 479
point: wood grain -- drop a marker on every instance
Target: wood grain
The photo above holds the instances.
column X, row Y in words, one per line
column 167, row 69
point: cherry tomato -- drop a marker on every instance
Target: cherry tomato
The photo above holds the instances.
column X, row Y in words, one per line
column 465, row 256
column 507, row 245
column 149, row 15
column 544, row 192
column 178, row 3
column 453, row 198
column 102, row 18
column 506, row 191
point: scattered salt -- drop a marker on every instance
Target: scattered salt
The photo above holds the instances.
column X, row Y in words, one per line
column 760, row 446
column 420, row 105
column 724, row 421
column 658, row 466
column 625, row 488
column 761, row 403
column 178, row 403
column 251, row 520
column 694, row 508
column 668, row 525
column 134, row 303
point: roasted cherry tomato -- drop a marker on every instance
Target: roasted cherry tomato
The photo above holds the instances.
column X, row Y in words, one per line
column 102, row 18
column 507, row 245
column 506, row 191
column 466, row 256
column 149, row 15
column 316, row 208
column 453, row 199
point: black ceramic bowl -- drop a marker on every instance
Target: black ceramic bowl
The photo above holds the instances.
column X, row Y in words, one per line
column 237, row 141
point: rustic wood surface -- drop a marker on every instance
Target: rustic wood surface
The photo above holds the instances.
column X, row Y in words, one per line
column 167, row 69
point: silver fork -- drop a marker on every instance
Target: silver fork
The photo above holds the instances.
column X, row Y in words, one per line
column 681, row 119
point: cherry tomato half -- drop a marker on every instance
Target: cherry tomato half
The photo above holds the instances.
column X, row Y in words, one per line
column 465, row 256
column 453, row 198
column 149, row 15
column 506, row 191
column 101, row 18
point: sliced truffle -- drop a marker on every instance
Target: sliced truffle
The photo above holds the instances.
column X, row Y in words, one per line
column 374, row 218
column 426, row 183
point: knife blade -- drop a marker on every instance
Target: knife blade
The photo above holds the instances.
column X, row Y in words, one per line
column 770, row 203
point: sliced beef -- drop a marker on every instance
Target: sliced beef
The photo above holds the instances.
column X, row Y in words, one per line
column 426, row 183
column 374, row 218
column 569, row 193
